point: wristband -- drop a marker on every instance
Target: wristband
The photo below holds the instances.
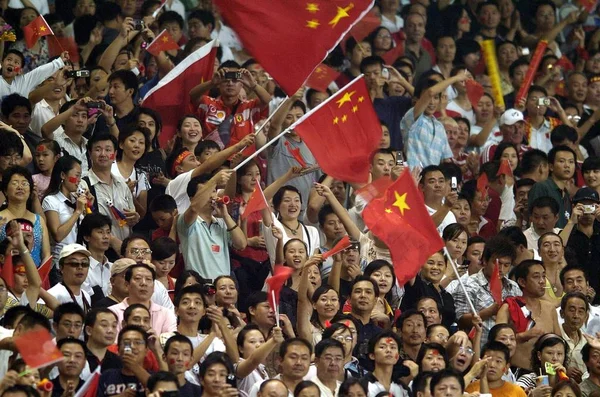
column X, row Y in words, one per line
column 24, row 252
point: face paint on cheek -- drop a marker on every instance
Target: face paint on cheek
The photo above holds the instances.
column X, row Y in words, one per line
column 397, row 356
column 172, row 361
column 187, row 364
column 112, row 156
column 73, row 179
column 17, row 69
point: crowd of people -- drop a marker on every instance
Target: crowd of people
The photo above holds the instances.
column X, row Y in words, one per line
column 157, row 275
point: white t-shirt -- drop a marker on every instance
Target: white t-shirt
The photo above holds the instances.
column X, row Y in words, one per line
column 136, row 175
column 467, row 114
column 56, row 203
column 59, row 291
column 448, row 220
column 177, row 188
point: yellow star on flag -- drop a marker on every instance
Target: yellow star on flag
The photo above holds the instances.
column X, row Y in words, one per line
column 165, row 39
column 401, row 202
column 346, row 98
column 312, row 7
column 341, row 13
column 361, row 99
column 355, row 108
column 388, row 210
column 42, row 28
column 313, row 24
column 336, row 120
column 344, row 118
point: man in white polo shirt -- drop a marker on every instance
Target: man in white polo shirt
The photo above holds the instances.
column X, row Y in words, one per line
column 74, row 264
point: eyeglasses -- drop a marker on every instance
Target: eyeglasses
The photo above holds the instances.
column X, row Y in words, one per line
column 343, row 338
column 75, row 265
column 133, row 342
column 140, row 251
column 70, row 325
column 383, row 36
column 467, row 350
column 20, row 184
column 11, row 158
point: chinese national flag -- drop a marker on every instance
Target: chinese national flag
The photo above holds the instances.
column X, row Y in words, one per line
column 36, row 29
column 474, row 92
column 496, row 284
column 321, row 77
column 402, row 222
column 505, row 169
column 365, row 26
column 290, row 38
column 257, row 202
column 275, row 283
column 44, row 272
column 343, row 132
column 171, row 96
column 37, row 348
column 163, row 42
column 90, row 387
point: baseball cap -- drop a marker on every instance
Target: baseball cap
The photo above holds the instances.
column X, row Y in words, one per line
column 511, row 116
column 120, row 265
column 586, row 193
column 71, row 249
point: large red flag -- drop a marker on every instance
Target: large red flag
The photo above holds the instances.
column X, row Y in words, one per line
column 374, row 189
column 44, row 272
column 275, row 283
column 37, row 348
column 365, row 26
column 322, row 77
column 402, row 222
column 290, row 38
column 36, row 29
column 343, row 132
column 163, row 42
column 496, row 284
column 256, row 202
column 171, row 96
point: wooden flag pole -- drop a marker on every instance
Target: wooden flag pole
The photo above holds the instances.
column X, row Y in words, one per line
column 462, row 286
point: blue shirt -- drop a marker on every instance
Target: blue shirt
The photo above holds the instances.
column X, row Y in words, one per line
column 426, row 140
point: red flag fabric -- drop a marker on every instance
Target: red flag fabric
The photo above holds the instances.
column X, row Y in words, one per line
column 296, row 154
column 321, row 77
column 8, row 270
column 276, row 281
column 402, row 222
column 482, row 184
column 392, row 55
column 257, row 202
column 56, row 46
column 171, row 96
column 374, row 189
column 44, row 272
column 37, row 348
column 163, row 42
column 365, row 26
column 290, row 38
column 36, row 29
column 474, row 91
column 496, row 284
column 343, row 132
column 505, row 169
column 90, row 387
column 339, row 247
column 588, row 5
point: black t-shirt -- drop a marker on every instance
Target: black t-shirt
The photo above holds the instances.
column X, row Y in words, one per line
column 190, row 389
column 105, row 302
column 58, row 390
column 113, row 382
column 420, row 289
column 110, row 361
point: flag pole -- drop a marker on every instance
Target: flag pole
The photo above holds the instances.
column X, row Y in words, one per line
column 275, row 308
column 266, row 121
column 462, row 286
column 272, row 141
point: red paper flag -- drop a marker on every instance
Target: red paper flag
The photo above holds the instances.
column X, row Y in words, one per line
column 90, row 387
column 565, row 64
column 296, row 154
column 56, row 46
column 163, row 42
column 36, row 29
column 339, row 247
column 257, row 202
column 482, row 184
column 400, row 219
column 276, row 281
column 505, row 169
column 343, row 132
column 171, row 96
column 37, row 348
column 496, row 284
column 392, row 55
column 8, row 270
column 290, row 38
column 322, row 76
column 44, row 272
column 588, row 5
column 474, row 91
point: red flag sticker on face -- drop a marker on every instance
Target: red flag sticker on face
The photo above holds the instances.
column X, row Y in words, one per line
column 73, row 179
column 41, row 148
column 112, row 156
column 215, row 248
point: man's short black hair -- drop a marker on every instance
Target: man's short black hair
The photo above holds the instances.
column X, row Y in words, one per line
column 101, row 138
column 67, row 308
column 92, row 221
column 500, row 247
column 92, row 316
column 127, row 77
column 13, row 314
column 13, row 101
column 283, row 349
column 571, row 268
column 363, row 278
column 406, row 314
column 170, row 16
column 16, row 389
column 388, row 334
column 496, row 347
column 327, row 344
column 371, row 60
column 159, row 377
column 522, row 61
column 70, row 339
column 130, row 269
column 561, row 148
column 192, row 186
column 206, row 17
column 531, row 160
column 444, row 374
column 135, row 328
column 178, row 338
column 190, row 289
column 521, row 271
column 127, row 313
column 164, row 202
column 543, row 202
column 108, row 11
column 33, row 319
column 11, row 143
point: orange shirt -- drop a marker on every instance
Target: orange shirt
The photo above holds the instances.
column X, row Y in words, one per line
column 506, row 390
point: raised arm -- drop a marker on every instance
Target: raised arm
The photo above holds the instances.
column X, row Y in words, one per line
column 112, row 51
column 431, row 92
column 352, row 230
column 259, row 355
column 217, row 159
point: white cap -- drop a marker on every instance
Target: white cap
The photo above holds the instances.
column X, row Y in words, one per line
column 511, row 116
column 71, row 249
